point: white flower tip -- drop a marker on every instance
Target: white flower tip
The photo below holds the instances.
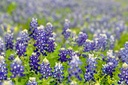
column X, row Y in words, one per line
column 45, row 60
column 33, row 19
column 73, row 83
column 49, row 24
column 18, row 38
column 76, row 51
column 68, row 30
column 80, row 32
column 9, row 31
column 25, row 30
column 40, row 27
column 32, row 79
column 51, row 38
column 70, row 48
column 125, row 65
column 59, row 65
column 122, row 49
column 116, row 51
column 17, row 59
column 91, row 55
column 7, row 82
column 89, row 40
column 126, row 42
column 33, row 53
column 66, row 20
column 103, row 35
column 62, row 49
column 110, row 63
column 54, row 34
column 1, row 58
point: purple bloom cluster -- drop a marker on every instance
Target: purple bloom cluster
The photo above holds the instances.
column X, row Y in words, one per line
column 112, row 62
column 22, row 43
column 64, row 53
column 9, row 40
column 123, row 53
column 33, row 27
column 17, row 69
column 109, row 68
column 45, row 41
column 90, row 68
column 74, row 69
column 3, row 69
column 81, row 38
column 20, row 47
column 24, row 36
column 45, row 69
column 34, row 62
column 89, row 45
column 58, row 72
column 100, row 41
column 66, row 31
column 123, row 75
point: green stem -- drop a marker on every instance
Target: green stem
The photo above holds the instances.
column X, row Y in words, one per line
column 16, row 81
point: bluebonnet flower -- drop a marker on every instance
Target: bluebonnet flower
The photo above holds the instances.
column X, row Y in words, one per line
column 101, row 42
column 112, row 58
column 3, row 69
column 123, row 75
column 45, row 41
column 41, row 40
column 7, row 82
column 90, row 68
column 20, row 47
column 33, row 24
column 63, row 55
column 22, row 43
column 67, row 34
column 81, row 38
column 66, row 26
column 66, row 31
column 112, row 42
column 74, row 69
column 58, row 72
column 89, row 45
column 33, row 28
column 111, row 63
column 66, row 54
column 24, row 36
column 109, row 68
column 32, row 81
column 51, row 45
column 45, row 69
column 49, row 30
column 70, row 51
column 9, row 40
column 34, row 62
column 1, row 45
column 17, row 69
column 123, row 53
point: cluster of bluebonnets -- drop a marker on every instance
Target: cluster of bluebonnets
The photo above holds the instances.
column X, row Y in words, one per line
column 80, row 53
column 43, row 42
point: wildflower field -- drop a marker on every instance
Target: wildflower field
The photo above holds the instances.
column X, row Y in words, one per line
column 63, row 42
